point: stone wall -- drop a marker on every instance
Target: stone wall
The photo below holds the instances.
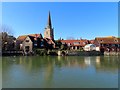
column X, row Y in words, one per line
column 111, row 53
column 81, row 53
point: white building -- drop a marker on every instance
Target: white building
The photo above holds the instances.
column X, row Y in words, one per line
column 90, row 47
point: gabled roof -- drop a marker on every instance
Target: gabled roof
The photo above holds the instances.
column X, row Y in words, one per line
column 32, row 36
column 22, row 38
column 108, row 40
column 49, row 41
column 36, row 35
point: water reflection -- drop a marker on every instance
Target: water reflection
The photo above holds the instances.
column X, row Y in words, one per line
column 45, row 69
column 37, row 63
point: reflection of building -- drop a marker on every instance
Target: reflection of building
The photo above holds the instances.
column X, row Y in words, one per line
column 87, row 60
column 98, row 60
column 49, row 70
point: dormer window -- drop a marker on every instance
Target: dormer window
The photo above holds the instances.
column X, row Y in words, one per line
column 116, row 40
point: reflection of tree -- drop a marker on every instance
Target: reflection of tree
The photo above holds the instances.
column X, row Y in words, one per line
column 49, row 70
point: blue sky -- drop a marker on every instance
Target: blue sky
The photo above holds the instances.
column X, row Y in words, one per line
column 78, row 20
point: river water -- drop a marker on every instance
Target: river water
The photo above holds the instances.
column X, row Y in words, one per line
column 60, row 72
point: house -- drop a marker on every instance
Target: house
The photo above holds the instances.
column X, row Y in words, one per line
column 109, row 43
column 75, row 44
column 26, row 43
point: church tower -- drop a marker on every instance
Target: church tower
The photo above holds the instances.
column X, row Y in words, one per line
column 48, row 33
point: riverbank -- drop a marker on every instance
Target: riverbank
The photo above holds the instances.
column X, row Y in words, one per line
column 60, row 53
column 112, row 53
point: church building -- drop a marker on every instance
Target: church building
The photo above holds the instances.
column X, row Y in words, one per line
column 49, row 33
column 26, row 43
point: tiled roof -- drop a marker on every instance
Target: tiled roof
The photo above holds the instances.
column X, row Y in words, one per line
column 108, row 40
column 92, row 41
column 22, row 38
column 36, row 35
column 49, row 41
column 81, row 42
column 32, row 38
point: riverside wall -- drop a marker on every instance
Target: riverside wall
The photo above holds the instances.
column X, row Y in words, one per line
column 80, row 53
column 88, row 53
column 112, row 53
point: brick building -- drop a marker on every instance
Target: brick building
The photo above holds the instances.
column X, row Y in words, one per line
column 75, row 44
column 110, row 43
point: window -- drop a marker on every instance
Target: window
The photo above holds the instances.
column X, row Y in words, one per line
column 27, row 48
column 35, row 43
column 69, row 44
column 73, row 47
column 27, row 40
column 63, row 42
column 113, row 45
column 42, row 44
column 116, row 45
column 77, row 47
column 101, row 40
column 107, row 45
column 116, row 40
column 76, row 43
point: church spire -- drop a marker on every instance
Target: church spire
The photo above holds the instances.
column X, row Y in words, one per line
column 49, row 24
column 49, row 33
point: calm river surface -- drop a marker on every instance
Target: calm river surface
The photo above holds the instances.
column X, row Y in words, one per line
column 60, row 72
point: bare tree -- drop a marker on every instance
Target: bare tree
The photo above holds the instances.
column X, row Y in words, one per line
column 7, row 38
column 6, row 29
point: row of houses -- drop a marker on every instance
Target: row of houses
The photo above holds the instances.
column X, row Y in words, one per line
column 27, row 43
column 109, row 43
